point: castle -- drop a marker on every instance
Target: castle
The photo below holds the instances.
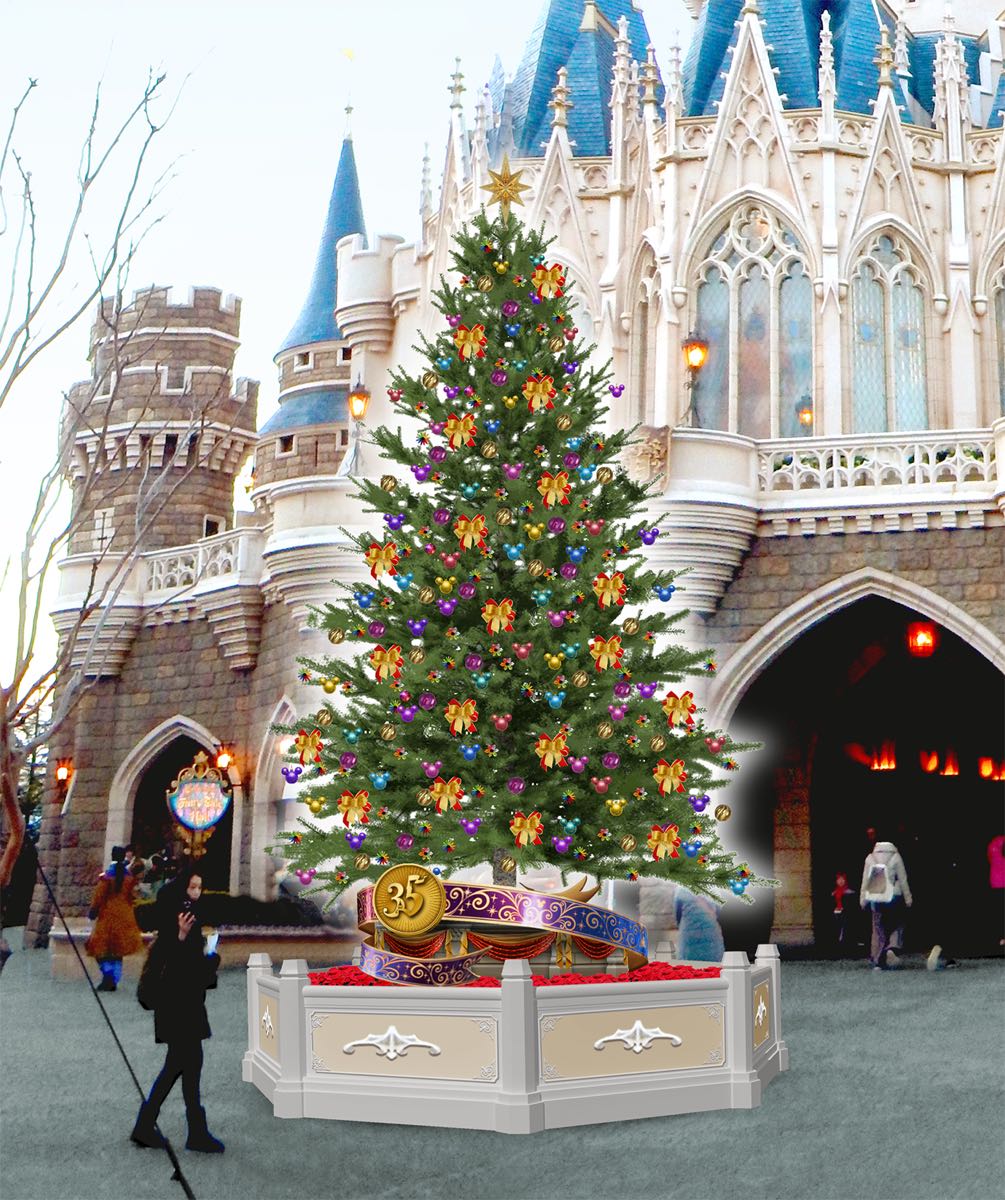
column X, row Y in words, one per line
column 818, row 193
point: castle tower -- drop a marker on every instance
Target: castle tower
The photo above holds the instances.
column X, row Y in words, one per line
column 309, row 435
column 160, row 430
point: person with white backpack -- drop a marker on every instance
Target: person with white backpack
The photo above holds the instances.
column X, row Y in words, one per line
column 886, row 891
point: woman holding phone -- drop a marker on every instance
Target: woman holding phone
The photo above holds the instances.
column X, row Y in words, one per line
column 182, row 967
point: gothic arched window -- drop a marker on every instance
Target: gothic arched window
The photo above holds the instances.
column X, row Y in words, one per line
column 889, row 376
column 755, row 309
column 998, row 323
column 643, row 341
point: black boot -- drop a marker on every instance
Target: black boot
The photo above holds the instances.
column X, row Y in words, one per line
column 199, row 1137
column 144, row 1131
column 107, row 984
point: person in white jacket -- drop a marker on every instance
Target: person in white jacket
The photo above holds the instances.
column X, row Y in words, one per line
column 886, row 891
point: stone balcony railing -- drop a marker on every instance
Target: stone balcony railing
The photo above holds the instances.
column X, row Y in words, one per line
column 219, row 561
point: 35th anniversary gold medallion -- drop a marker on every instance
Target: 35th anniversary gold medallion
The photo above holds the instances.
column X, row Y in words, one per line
column 408, row 899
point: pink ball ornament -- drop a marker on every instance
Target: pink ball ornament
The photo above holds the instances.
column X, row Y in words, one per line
column 601, row 785
column 556, row 525
column 617, row 711
column 404, row 841
column 449, row 560
column 501, row 721
column 611, row 760
column 427, row 701
column 571, row 461
column 578, row 765
column 437, row 454
column 568, row 570
column 376, row 629
column 441, row 516
column 622, row 690
column 347, row 760
column 516, row 785
column 522, row 649
column 466, row 591
column 557, row 619
column 432, row 769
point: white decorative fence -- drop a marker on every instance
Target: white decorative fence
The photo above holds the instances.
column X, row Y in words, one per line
column 517, row 1059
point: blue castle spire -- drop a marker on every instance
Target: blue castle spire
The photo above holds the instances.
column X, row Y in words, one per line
column 316, row 322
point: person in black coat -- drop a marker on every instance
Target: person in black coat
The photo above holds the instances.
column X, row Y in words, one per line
column 183, row 972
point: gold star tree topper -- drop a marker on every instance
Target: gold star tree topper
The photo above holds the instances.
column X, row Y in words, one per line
column 505, row 187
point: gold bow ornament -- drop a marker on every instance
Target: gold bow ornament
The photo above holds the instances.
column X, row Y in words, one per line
column 526, row 830
column 460, row 431
column 549, row 281
column 386, row 663
column 610, row 589
column 446, row 793
column 498, row 616
column 554, row 489
column 463, row 718
column 670, row 776
column 552, row 750
column 679, row 708
column 606, row 653
column 354, row 808
column 469, row 342
column 471, row 532
column 308, row 745
column 382, row 558
column 663, row 841
column 539, row 391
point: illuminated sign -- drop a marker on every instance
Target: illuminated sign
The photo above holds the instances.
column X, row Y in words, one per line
column 199, row 796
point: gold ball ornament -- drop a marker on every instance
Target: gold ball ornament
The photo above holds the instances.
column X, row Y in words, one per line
column 416, row 655
column 507, row 863
column 535, row 567
column 605, row 729
column 323, row 718
column 387, row 732
column 723, row 812
column 425, row 797
column 446, row 586
column 388, row 483
column 335, row 636
column 631, row 625
column 361, row 862
column 628, row 843
column 329, row 685
column 489, row 449
column 554, row 661
column 315, row 806
column 427, row 595
column 580, row 679
column 605, row 475
column 563, row 421
column 430, row 379
column 510, row 401
column 658, row 744
column 533, row 531
column 501, row 268
column 504, row 516
column 556, row 345
column 485, row 283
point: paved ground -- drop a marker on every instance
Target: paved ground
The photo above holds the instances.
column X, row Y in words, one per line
column 895, row 1091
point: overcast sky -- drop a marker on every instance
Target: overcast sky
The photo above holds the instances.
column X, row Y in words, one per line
column 254, row 140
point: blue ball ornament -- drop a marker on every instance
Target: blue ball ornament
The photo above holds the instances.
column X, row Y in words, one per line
column 664, row 593
column 573, row 443
column 380, row 779
column 739, row 886
column 363, row 599
column 513, row 329
column 352, row 736
column 541, row 596
column 513, row 551
column 470, row 490
column 471, row 752
column 493, row 425
column 555, row 699
column 482, row 679
column 444, row 363
column 577, row 553
column 404, row 580
column 691, row 849
column 571, row 649
column 586, row 473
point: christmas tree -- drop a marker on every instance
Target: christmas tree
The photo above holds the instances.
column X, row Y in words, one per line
column 519, row 697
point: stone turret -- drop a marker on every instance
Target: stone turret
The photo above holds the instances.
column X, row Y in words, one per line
column 160, row 414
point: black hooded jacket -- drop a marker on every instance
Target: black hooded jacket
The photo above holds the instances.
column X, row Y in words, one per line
column 188, row 973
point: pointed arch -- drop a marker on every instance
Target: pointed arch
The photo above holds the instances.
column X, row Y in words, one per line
column 643, row 316
column 122, row 793
column 267, row 800
column 870, row 229
column 754, row 655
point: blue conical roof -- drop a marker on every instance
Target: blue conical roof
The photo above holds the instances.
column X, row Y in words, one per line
column 316, row 322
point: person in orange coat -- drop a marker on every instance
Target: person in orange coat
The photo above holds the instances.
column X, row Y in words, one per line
column 115, row 933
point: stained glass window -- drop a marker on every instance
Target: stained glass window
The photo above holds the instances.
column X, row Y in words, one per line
column 754, row 307
column 889, row 357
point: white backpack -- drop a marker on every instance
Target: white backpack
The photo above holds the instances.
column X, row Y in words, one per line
column 879, row 884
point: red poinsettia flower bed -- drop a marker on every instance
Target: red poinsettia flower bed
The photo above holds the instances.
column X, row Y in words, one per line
column 349, row 976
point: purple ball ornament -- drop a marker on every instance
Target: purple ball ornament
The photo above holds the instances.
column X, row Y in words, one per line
column 570, row 368
column 516, row 785
column 568, row 570
column 623, row 690
column 437, row 427
column 306, row 877
column 499, row 378
column 451, row 393
column 427, row 701
column 561, row 844
column 617, row 711
column 292, row 774
column 404, row 841
column 421, row 473
column 578, row 765
column 571, row 461
column 432, row 769
column 649, row 536
column 347, row 760
column 473, row 662
column 470, row 825
column 556, row 525
column 469, row 391
column 407, row 713
column 700, row 803
column 510, row 308
column 616, row 389
column 466, row 591
column 557, row 619
column 453, row 320
column 647, row 690
column 611, row 760
column 447, row 606
column 441, row 516
column 376, row 629
column 512, row 470
column 417, row 625
column 356, row 840
column 394, row 521
column 437, row 454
